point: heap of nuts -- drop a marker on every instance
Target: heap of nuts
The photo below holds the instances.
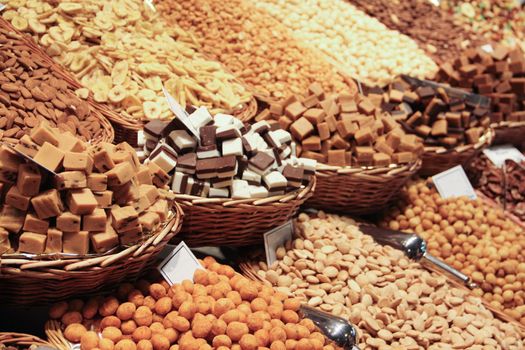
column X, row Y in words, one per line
column 32, row 91
column 395, row 302
column 367, row 49
column 254, row 45
column 124, row 53
column 219, row 310
column 473, row 237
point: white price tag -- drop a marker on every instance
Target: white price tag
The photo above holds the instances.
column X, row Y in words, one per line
column 2, row 7
column 499, row 154
column 180, row 113
column 487, row 48
column 179, row 265
column 149, row 3
column 454, row 183
column 275, row 238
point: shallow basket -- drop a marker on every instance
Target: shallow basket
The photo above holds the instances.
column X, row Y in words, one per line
column 30, row 282
column 21, row 340
column 106, row 133
column 509, row 133
column 361, row 190
column 439, row 159
column 232, row 222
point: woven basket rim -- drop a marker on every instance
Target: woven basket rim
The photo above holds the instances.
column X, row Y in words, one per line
column 507, row 124
column 295, row 195
column 392, row 169
column 21, row 339
column 485, row 140
column 108, row 132
column 163, row 233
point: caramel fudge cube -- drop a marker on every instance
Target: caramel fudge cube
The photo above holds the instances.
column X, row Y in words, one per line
column 29, row 178
column 99, row 182
column 285, row 122
column 320, row 158
column 402, row 157
column 44, row 133
column 102, row 160
column 323, row 130
column 125, row 193
column 104, row 199
column 439, row 128
column 54, row 241
column 70, row 179
column 381, row 159
column 104, row 241
column 160, row 207
column 366, row 107
column 337, row 157
column 33, row 243
column 70, row 143
column 301, row 128
column 364, row 153
column 150, row 192
column 78, row 161
column 315, row 115
column 75, row 242
column 81, row 201
column 96, row 221
column 68, row 222
column 26, row 146
column 364, row 136
column 12, row 219
column 143, row 176
column 15, row 199
column 9, row 164
column 294, row 110
column 33, row 224
column 50, row 157
column 47, row 204
column 131, row 236
column 312, row 143
column 149, row 220
column 120, row 174
column 124, row 218
column 346, row 128
column 5, row 243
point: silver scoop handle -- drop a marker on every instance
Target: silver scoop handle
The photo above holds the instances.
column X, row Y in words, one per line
column 430, row 259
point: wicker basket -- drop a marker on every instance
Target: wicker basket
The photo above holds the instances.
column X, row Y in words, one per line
column 509, row 133
column 21, row 340
column 359, row 191
column 107, row 133
column 227, row 222
column 30, row 282
column 438, row 159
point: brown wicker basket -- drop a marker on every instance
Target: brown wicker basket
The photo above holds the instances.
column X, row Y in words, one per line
column 227, row 222
column 106, row 133
column 359, row 191
column 509, row 133
column 21, row 340
column 30, row 282
column 438, row 159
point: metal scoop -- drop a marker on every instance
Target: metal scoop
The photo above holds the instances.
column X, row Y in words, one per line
column 415, row 248
column 337, row 329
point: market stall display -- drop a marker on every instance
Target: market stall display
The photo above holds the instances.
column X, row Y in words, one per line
column 364, row 47
column 33, row 89
column 219, row 309
column 18, row 341
column 124, row 53
column 254, row 46
column 396, row 303
column 433, row 29
column 364, row 155
column 474, row 237
column 453, row 125
column 72, row 206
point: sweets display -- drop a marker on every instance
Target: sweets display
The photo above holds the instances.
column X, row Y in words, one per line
column 124, row 53
column 498, row 74
column 254, row 46
column 434, row 29
column 471, row 236
column 343, row 130
column 366, row 48
column 395, row 303
column 31, row 91
column 65, row 196
column 439, row 118
column 219, row 309
column 222, row 157
column 506, row 186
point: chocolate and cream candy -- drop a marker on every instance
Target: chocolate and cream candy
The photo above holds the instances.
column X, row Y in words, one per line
column 165, row 157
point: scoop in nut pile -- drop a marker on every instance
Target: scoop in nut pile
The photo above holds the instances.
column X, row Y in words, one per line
column 31, row 91
column 395, row 302
column 252, row 44
column 472, row 236
column 219, row 309
column 124, row 53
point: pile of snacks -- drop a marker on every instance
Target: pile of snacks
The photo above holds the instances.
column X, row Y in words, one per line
column 499, row 21
column 63, row 194
column 367, row 49
column 499, row 74
column 395, row 302
column 439, row 118
column 343, row 130
column 506, row 186
column 221, row 157
column 473, row 237
column 434, row 29
column 124, row 53
column 255, row 46
column 32, row 91
column 219, row 309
